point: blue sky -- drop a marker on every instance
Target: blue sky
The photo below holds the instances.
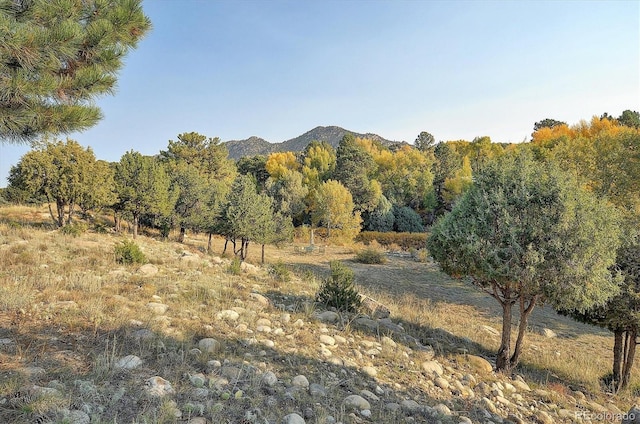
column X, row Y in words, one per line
column 276, row 69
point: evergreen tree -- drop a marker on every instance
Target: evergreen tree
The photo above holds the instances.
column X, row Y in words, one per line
column 56, row 57
column 526, row 233
column 353, row 169
column 142, row 187
column 65, row 174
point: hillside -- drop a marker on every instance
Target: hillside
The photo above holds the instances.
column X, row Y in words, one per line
column 332, row 135
column 189, row 338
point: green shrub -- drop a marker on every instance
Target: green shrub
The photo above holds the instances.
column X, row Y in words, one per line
column 127, row 252
column 74, row 229
column 234, row 267
column 370, row 256
column 339, row 290
column 280, row 272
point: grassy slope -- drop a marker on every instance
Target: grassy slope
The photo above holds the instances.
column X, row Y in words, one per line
column 68, row 309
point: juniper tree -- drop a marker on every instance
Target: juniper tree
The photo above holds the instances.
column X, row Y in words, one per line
column 525, row 233
column 56, row 57
column 65, row 174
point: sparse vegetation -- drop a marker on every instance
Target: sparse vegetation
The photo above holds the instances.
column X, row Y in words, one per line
column 128, row 252
column 371, row 255
column 339, row 290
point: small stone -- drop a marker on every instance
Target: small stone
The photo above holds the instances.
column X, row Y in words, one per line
column 328, row 340
column 442, row 409
column 158, row 387
column 328, row 317
column 432, row 368
column 410, row 407
column 148, row 270
column 269, row 379
column 548, row 333
column 370, row 371
column 129, row 362
column 228, row 314
column 442, row 383
column 300, row 381
column 317, row 390
column 259, row 298
column 293, row 419
column 356, row 402
column 209, row 345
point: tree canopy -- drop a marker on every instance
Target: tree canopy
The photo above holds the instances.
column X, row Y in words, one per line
column 525, row 233
column 56, row 57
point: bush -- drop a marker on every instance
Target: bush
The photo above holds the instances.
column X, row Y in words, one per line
column 339, row 291
column 74, row 229
column 407, row 220
column 371, row 255
column 280, row 272
column 235, row 266
column 127, row 252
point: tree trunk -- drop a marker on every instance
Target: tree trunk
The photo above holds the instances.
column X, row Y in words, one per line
column 504, row 356
column 182, row 234
column 135, row 225
column 60, row 211
column 209, row 243
column 70, row 215
column 117, row 222
column 263, row 254
column 226, row 241
column 630, row 353
column 525, row 312
column 616, row 377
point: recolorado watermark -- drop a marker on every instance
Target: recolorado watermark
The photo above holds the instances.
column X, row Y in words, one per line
column 605, row 416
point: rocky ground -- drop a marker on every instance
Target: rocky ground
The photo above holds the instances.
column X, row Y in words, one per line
column 184, row 340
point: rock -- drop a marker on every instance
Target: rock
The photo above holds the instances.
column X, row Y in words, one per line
column 387, row 341
column 209, row 345
column 328, row 317
column 442, row 383
column 317, row 390
column 548, row 333
column 259, row 299
column 633, row 416
column 366, row 324
column 328, row 340
column 300, row 381
column 522, row 386
column 158, row 387
column 228, row 314
column 370, row 371
column 129, row 362
column 157, row 308
column 148, row 270
column 293, row 419
column 269, row 379
column 489, row 406
column 410, row 407
column 442, row 409
column 356, row 402
column 432, row 368
column 479, row 364
column 197, row 420
column 373, row 308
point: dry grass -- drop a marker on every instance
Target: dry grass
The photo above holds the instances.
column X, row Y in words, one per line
column 73, row 311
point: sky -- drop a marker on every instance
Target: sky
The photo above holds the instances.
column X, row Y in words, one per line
column 277, row 69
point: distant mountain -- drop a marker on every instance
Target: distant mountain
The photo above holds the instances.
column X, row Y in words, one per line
column 332, row 135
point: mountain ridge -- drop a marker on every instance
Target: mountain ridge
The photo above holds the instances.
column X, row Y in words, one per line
column 331, row 134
